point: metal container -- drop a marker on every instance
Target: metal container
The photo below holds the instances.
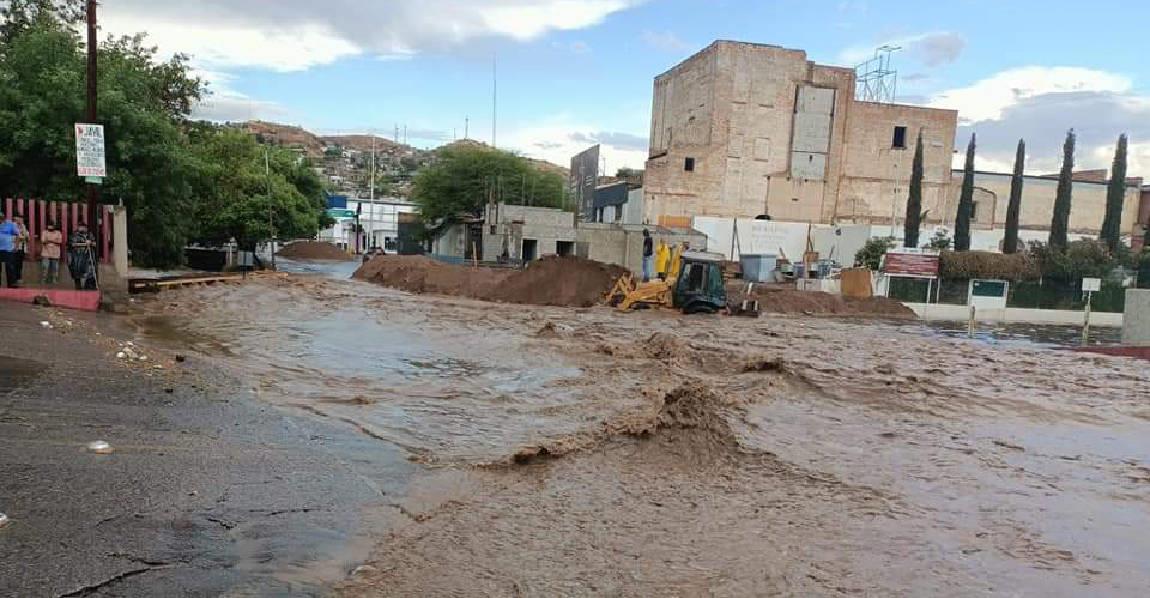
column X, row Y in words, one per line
column 758, row 267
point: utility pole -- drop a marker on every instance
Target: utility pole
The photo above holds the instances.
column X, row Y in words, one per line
column 93, row 188
column 371, row 196
column 466, row 126
column 405, row 134
column 494, row 97
column 271, row 209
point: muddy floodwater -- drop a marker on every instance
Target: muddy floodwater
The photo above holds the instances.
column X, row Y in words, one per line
column 583, row 452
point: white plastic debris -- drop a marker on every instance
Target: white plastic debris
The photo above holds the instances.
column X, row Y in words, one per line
column 121, row 355
column 130, row 344
column 143, row 358
column 3, row 520
column 100, row 447
column 46, row 324
column 158, row 367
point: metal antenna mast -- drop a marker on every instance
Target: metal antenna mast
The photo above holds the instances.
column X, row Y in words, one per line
column 875, row 80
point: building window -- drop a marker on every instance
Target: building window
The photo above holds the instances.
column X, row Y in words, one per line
column 899, row 139
column 689, row 164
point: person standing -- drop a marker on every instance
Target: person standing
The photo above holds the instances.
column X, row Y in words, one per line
column 19, row 249
column 50, row 242
column 648, row 254
column 81, row 262
column 662, row 259
column 8, row 234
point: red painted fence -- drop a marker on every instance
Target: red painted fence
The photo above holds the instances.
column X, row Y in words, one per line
column 37, row 213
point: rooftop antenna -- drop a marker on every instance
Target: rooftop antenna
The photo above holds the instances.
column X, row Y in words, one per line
column 876, row 81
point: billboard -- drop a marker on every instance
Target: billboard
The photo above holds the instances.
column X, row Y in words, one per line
column 911, row 264
column 582, row 180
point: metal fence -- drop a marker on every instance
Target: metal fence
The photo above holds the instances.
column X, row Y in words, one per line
column 67, row 216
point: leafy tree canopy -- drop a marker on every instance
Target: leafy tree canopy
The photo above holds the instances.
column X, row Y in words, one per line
column 464, row 178
column 166, row 170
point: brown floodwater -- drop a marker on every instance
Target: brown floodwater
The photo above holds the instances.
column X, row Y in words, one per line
column 586, row 452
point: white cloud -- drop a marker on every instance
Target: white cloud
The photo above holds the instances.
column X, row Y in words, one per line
column 558, row 140
column 292, row 35
column 1039, row 104
column 988, row 98
column 225, row 104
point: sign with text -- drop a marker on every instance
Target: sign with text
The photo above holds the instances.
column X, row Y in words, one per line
column 90, row 150
column 1091, row 285
column 922, row 265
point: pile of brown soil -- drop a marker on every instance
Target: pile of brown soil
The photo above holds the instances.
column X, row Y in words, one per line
column 790, row 301
column 313, row 250
column 559, row 281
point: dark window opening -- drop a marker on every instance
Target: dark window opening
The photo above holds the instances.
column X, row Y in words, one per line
column 565, row 247
column 974, row 211
column 899, row 139
column 689, row 164
column 530, row 250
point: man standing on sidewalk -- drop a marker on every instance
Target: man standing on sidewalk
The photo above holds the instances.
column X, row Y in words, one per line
column 8, row 233
column 648, row 254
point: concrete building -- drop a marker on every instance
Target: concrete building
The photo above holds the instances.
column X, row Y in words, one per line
column 741, row 129
column 1087, row 208
column 618, row 203
column 623, row 244
column 516, row 233
column 380, row 219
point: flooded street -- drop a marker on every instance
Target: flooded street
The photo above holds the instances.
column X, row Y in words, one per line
column 577, row 452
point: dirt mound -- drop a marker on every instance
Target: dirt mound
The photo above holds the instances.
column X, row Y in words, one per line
column 559, row 281
column 313, row 250
column 789, row 301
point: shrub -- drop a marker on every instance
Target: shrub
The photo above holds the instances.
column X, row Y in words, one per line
column 982, row 264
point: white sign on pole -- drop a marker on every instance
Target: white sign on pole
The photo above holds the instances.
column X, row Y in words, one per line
column 90, row 150
column 1091, row 285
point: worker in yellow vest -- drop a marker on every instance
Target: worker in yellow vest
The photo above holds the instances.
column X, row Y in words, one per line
column 662, row 260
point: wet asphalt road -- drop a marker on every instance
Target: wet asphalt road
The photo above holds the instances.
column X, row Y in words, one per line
column 209, row 491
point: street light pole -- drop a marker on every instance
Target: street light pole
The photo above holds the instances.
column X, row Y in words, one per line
column 371, row 197
column 271, row 204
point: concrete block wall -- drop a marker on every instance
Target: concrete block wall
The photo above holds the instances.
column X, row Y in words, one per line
column 1136, row 320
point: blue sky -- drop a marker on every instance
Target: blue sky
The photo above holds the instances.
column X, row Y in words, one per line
column 575, row 71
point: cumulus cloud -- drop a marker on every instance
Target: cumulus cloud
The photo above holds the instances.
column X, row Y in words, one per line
column 292, row 35
column 624, row 141
column 988, row 98
column 1039, row 104
column 225, row 104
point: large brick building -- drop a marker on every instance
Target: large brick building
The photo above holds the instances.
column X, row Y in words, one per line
column 741, row 130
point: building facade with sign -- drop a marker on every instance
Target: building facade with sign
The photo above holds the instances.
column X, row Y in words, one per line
column 741, row 130
column 379, row 219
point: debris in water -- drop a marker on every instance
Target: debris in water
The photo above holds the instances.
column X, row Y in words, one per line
column 3, row 520
column 100, row 447
column 46, row 324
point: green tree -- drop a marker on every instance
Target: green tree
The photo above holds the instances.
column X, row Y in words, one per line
column 914, row 199
column 965, row 202
column 157, row 166
column 1060, row 221
column 233, row 184
column 872, row 252
column 466, row 177
column 1014, row 206
column 1115, row 197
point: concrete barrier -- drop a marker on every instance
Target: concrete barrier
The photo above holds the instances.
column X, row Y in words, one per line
column 1057, row 317
column 1136, row 326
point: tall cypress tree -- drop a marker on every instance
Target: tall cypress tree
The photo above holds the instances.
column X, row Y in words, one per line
column 914, row 200
column 1060, row 221
column 1010, row 243
column 1115, row 195
column 965, row 202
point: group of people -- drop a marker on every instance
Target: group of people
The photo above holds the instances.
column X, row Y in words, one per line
column 14, row 238
column 665, row 258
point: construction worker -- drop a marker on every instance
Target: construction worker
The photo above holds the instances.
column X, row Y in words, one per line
column 662, row 259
